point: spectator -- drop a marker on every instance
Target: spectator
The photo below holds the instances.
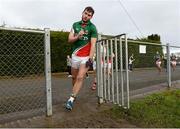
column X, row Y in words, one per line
column 68, row 60
column 131, row 60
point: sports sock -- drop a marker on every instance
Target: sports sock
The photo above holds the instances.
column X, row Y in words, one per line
column 71, row 99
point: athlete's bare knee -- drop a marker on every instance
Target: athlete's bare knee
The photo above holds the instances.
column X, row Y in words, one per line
column 80, row 78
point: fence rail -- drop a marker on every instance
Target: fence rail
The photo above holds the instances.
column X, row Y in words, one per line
column 22, row 30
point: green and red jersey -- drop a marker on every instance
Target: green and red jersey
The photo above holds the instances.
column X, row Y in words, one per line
column 82, row 46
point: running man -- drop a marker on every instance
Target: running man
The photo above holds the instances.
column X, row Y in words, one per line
column 131, row 60
column 158, row 61
column 83, row 35
column 68, row 60
column 173, row 61
column 107, row 63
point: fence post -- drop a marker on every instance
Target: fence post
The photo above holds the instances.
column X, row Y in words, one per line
column 48, row 73
column 99, row 71
column 121, row 71
column 127, row 70
column 168, row 65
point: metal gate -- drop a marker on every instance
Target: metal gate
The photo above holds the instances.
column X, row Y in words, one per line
column 112, row 70
column 113, row 77
column 25, row 73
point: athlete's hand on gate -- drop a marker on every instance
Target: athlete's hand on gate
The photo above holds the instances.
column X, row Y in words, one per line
column 89, row 63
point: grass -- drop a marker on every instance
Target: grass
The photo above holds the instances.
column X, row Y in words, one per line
column 160, row 110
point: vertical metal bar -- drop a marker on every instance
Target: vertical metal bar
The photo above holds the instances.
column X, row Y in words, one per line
column 106, row 69
column 127, row 72
column 116, row 71
column 112, row 72
column 168, row 65
column 121, row 72
column 98, row 65
column 108, row 78
column 48, row 72
column 98, row 72
column 97, row 69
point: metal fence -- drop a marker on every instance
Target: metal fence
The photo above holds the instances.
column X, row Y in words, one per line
column 145, row 72
column 118, row 79
column 25, row 80
column 112, row 71
column 175, row 73
column 25, row 71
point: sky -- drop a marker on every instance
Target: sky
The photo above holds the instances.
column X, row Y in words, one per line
column 137, row 18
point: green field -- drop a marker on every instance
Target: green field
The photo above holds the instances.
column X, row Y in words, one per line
column 157, row 110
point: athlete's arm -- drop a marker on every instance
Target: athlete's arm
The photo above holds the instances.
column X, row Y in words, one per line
column 74, row 37
column 92, row 51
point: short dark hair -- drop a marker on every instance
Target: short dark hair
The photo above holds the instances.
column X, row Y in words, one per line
column 89, row 9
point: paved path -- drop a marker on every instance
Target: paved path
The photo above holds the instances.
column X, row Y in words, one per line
column 142, row 82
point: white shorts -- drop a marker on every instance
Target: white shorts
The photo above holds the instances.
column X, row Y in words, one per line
column 106, row 65
column 77, row 61
column 173, row 62
column 158, row 62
